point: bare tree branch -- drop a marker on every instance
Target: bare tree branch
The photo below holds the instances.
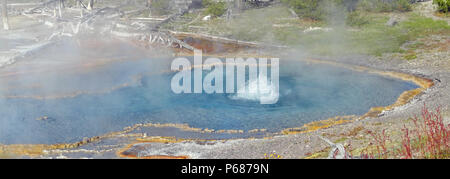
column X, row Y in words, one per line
column 5, row 15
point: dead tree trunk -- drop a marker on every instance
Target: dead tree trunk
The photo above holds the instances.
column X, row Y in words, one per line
column 238, row 4
column 90, row 5
column 81, row 9
column 5, row 15
column 62, row 4
column 148, row 3
column 60, row 7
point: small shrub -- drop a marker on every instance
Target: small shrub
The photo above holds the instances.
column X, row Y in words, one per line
column 402, row 5
column 215, row 9
column 384, row 6
column 431, row 139
column 306, row 8
column 380, row 143
column 320, row 9
column 443, row 5
column 160, row 7
column 356, row 19
column 206, row 3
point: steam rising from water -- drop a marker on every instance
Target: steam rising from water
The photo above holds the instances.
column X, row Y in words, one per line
column 308, row 93
column 256, row 90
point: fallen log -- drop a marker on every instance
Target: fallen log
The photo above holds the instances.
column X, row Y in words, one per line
column 224, row 39
column 41, row 6
column 11, row 56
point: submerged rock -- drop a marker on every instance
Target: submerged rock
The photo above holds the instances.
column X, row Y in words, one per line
column 43, row 118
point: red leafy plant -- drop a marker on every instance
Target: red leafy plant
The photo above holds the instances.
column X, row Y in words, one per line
column 429, row 139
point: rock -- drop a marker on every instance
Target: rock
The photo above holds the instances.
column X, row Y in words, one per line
column 207, row 18
column 312, row 29
column 337, row 150
column 293, row 13
column 85, row 140
column 393, row 21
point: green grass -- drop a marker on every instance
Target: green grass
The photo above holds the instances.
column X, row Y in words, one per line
column 275, row 25
column 254, row 25
column 410, row 56
column 341, row 140
column 374, row 38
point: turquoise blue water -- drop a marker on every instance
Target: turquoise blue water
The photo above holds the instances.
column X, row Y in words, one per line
column 307, row 93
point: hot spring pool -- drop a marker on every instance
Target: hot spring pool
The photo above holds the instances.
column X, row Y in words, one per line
column 96, row 99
